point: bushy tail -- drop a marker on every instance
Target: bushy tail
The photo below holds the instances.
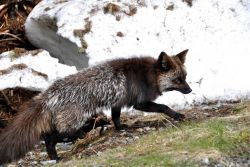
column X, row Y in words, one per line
column 24, row 132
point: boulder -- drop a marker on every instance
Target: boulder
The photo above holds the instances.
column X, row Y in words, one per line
column 83, row 33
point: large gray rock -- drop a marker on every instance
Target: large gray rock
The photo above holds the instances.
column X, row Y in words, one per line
column 43, row 36
column 61, row 27
column 42, row 31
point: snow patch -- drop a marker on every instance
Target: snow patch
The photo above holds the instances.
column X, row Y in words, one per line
column 29, row 77
column 217, row 34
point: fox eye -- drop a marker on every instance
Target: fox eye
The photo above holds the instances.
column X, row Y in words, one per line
column 178, row 80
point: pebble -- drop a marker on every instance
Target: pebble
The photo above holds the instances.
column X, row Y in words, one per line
column 11, row 165
column 123, row 133
column 20, row 162
column 31, row 155
column 42, row 142
column 153, row 129
column 147, row 128
column 34, row 163
column 43, row 154
column 50, row 162
column 139, row 130
column 136, row 137
column 64, row 146
column 99, row 153
column 129, row 140
column 219, row 165
column 205, row 161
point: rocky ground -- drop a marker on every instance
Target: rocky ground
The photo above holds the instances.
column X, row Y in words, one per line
column 94, row 144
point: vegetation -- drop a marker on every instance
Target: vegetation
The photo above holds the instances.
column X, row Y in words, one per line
column 214, row 139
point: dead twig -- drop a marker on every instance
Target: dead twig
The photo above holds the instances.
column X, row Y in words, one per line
column 7, row 39
column 19, row 14
column 14, row 36
column 2, row 25
column 6, row 99
column 169, row 122
column 3, row 11
column 96, row 120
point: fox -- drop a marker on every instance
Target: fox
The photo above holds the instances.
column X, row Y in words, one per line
column 69, row 102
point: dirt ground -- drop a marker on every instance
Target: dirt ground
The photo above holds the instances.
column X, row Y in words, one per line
column 95, row 143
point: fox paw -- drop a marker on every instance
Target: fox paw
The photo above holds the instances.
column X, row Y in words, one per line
column 122, row 127
column 179, row 116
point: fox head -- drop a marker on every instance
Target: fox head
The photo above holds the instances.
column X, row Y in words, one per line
column 172, row 73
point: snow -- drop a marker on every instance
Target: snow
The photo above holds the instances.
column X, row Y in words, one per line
column 42, row 62
column 217, row 34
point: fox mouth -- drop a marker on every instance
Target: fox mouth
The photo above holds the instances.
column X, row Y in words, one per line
column 169, row 89
column 184, row 91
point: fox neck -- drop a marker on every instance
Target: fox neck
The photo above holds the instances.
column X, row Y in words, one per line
column 141, row 79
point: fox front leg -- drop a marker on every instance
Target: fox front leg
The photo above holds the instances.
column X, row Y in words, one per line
column 115, row 113
column 159, row 108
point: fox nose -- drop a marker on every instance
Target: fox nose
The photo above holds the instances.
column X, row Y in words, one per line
column 188, row 90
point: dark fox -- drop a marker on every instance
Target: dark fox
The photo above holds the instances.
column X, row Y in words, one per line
column 68, row 103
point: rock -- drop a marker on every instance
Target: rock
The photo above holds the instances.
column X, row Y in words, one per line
column 34, row 163
column 219, row 165
column 136, row 138
column 80, row 31
column 129, row 140
column 31, row 155
column 61, row 27
column 205, row 161
column 44, row 29
column 123, row 134
column 147, row 128
column 99, row 153
column 64, row 146
column 43, row 154
column 43, row 25
column 153, row 129
column 50, row 162
column 20, row 162
column 139, row 130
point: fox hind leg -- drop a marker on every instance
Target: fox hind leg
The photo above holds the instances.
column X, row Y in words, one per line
column 50, row 143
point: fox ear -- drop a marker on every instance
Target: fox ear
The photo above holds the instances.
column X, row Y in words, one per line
column 163, row 61
column 182, row 56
